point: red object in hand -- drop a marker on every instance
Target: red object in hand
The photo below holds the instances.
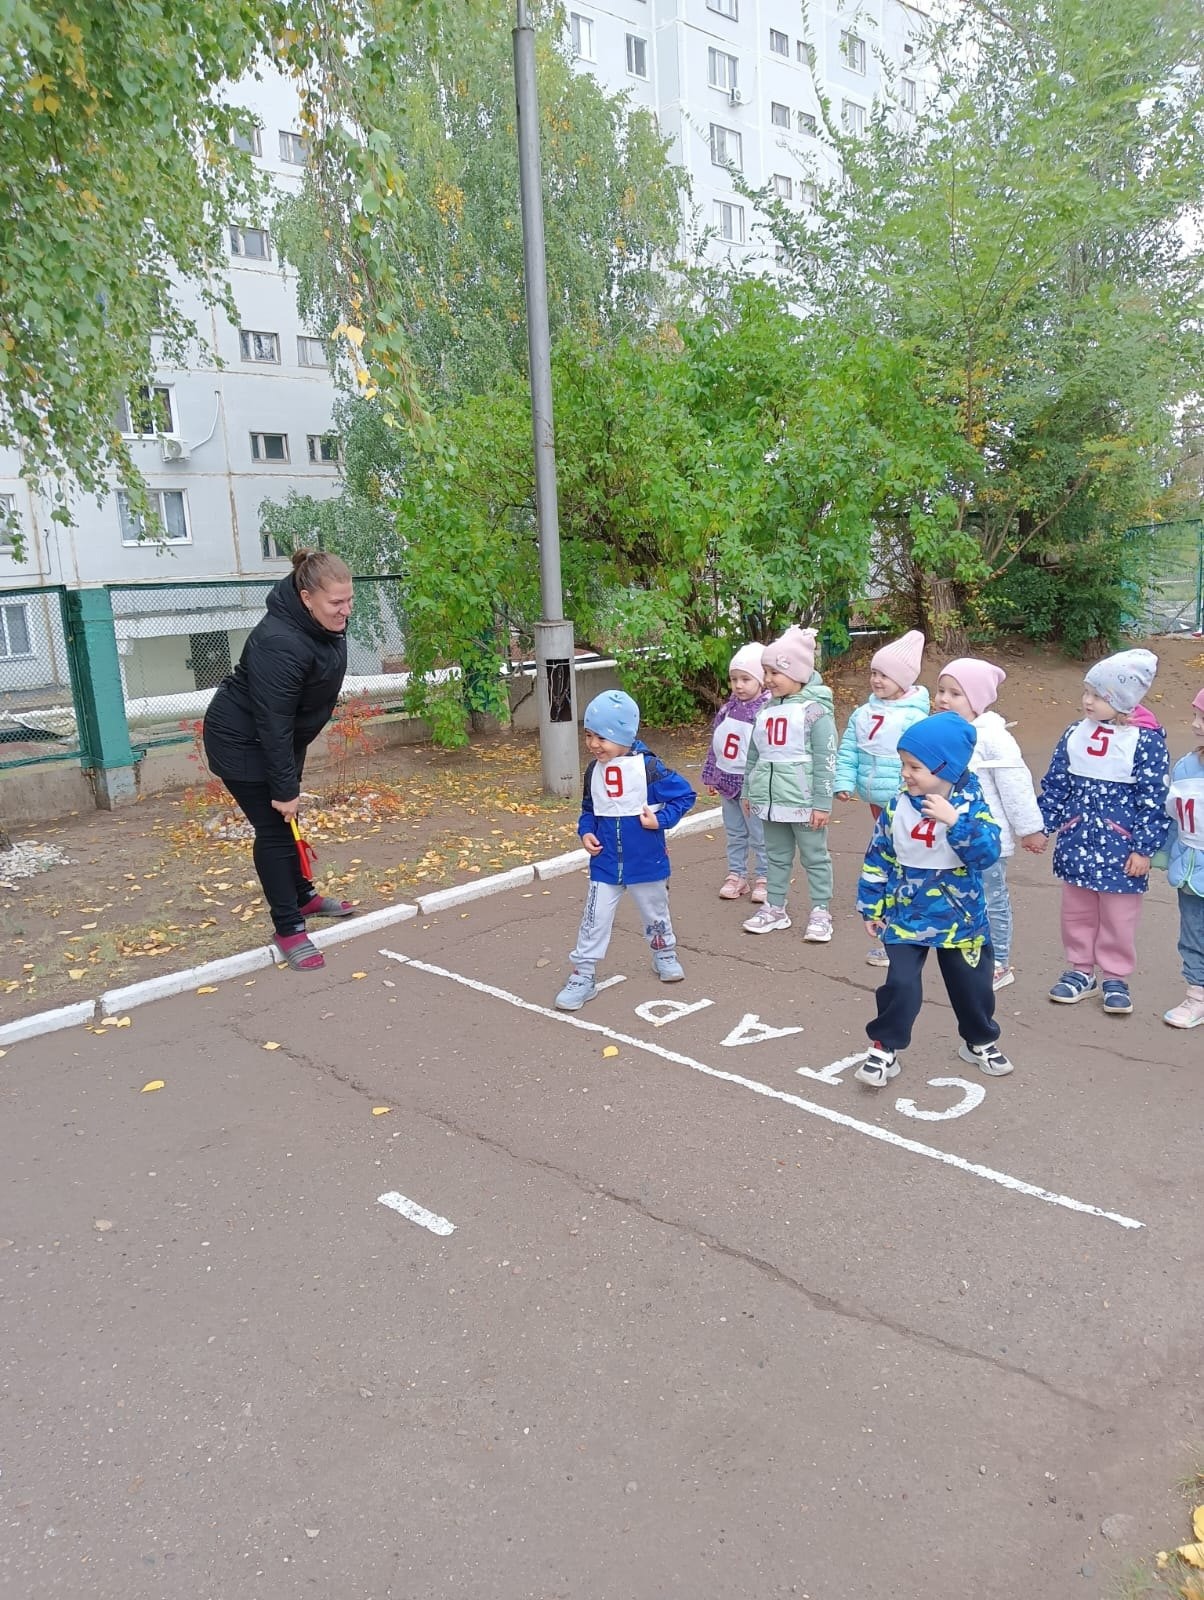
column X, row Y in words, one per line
column 305, row 850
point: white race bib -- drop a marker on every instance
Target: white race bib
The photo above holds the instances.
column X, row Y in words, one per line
column 781, row 734
column 1185, row 802
column 730, row 744
column 877, row 729
column 921, row 841
column 619, row 787
column 1102, row 750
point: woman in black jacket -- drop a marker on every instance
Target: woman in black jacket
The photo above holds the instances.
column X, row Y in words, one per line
column 262, row 720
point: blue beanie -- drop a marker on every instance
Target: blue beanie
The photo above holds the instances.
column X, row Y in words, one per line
column 614, row 716
column 944, row 743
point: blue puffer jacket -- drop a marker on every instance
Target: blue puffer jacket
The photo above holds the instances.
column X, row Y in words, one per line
column 1098, row 823
column 632, row 853
column 867, row 763
column 1185, row 865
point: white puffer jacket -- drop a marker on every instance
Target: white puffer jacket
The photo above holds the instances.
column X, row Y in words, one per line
column 1007, row 784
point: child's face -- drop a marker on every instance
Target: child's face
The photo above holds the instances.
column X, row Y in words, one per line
column 1096, row 707
column 744, row 685
column 1197, row 722
column 778, row 683
column 918, row 780
column 885, row 688
column 603, row 749
column 950, row 697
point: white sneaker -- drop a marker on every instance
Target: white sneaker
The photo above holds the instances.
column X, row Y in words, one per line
column 819, row 926
column 1189, row 1013
column 1003, row 976
column 878, row 1068
column 988, row 1058
column 768, row 919
column 877, row 956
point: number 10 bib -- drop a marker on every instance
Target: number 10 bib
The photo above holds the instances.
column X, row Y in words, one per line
column 920, row 841
column 619, row 787
column 1102, row 750
column 1185, row 802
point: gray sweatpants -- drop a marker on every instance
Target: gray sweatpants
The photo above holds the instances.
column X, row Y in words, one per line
column 601, row 903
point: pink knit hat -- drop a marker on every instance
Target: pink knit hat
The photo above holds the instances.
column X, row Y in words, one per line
column 1198, row 703
column 978, row 680
column 900, row 660
column 793, row 654
column 748, row 659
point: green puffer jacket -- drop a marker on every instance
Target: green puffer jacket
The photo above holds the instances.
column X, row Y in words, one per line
column 792, row 756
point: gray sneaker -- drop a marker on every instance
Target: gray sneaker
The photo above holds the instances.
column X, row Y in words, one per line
column 667, row 967
column 767, row 919
column 580, row 988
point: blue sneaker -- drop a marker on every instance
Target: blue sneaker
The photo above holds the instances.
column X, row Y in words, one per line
column 580, row 988
column 1072, row 987
column 667, row 967
column 1117, row 1000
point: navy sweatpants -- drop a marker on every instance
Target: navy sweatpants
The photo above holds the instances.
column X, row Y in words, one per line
column 969, row 984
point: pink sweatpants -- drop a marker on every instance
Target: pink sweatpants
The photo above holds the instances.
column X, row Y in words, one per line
column 1100, row 930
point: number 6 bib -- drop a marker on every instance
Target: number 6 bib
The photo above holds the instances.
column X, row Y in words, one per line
column 730, row 745
column 1102, row 750
column 619, row 787
column 920, row 841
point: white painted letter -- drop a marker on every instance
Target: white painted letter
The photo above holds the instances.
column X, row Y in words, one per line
column 832, row 1073
column 751, row 1030
column 658, row 1012
column 973, row 1095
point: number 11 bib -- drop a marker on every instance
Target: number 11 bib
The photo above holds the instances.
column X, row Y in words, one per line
column 1185, row 802
column 921, row 841
column 1102, row 750
column 619, row 787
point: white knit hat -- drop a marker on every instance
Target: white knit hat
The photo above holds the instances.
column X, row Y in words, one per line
column 748, row 659
column 1124, row 678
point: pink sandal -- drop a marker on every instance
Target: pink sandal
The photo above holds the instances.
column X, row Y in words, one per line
column 299, row 952
column 323, row 906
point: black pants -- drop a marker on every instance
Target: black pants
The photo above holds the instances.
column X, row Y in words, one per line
column 275, row 856
column 970, row 986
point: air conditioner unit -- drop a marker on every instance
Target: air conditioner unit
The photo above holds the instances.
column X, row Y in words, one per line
column 173, row 447
column 738, row 97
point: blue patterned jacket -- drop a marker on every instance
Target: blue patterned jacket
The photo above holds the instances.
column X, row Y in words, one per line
column 945, row 908
column 1100, row 824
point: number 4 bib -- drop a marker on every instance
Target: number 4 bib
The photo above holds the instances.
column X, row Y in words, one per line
column 619, row 787
column 921, row 841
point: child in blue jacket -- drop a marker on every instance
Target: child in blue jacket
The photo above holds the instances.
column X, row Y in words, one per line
column 630, row 800
column 921, row 889
column 1185, row 868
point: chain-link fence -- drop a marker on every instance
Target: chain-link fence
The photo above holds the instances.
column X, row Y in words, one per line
column 37, row 705
column 1172, row 597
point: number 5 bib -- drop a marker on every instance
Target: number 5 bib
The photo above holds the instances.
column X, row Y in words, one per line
column 1185, row 802
column 619, row 787
column 920, row 841
column 1102, row 750
column 730, row 745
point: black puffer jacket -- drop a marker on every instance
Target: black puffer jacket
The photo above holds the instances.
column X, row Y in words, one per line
column 279, row 697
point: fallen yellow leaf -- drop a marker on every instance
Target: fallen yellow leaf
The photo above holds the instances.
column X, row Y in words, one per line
column 149, row 1088
column 381, row 1111
column 271, row 1045
column 87, row 925
column 1197, row 1522
column 208, row 988
column 611, row 1050
column 359, row 974
column 121, row 1022
column 76, row 973
column 1193, row 1554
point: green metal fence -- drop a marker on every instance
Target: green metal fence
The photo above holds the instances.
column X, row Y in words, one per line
column 1172, row 597
column 37, row 705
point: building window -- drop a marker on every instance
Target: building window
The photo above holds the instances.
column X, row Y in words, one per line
column 852, row 118
column 274, row 548
column 783, row 186
column 14, row 631
column 311, row 352
column 250, row 140
column 727, row 147
column 581, row 32
column 779, row 43
column 259, row 346
column 729, row 221
column 907, row 94
column 808, row 193
column 637, row 56
column 324, row 449
column 721, row 70
column 805, row 53
column 806, row 123
column 250, row 242
column 269, row 447
column 294, row 148
column 8, row 521
column 779, row 114
column 170, row 507
column 852, row 51
column 147, row 412
column 725, row 8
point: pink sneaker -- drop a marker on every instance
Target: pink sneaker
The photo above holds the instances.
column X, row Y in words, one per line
column 819, row 927
column 733, row 887
column 760, row 892
column 1189, row 1013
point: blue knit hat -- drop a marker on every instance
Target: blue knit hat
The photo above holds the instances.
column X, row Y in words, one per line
column 944, row 743
column 614, row 716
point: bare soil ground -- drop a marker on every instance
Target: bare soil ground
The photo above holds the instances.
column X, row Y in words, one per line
column 164, row 885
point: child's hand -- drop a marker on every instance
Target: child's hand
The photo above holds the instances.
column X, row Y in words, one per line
column 592, row 843
column 819, row 819
column 747, row 805
column 939, row 809
column 649, row 819
column 1035, row 843
column 875, row 927
column 842, row 794
column 1137, row 866
column 710, row 790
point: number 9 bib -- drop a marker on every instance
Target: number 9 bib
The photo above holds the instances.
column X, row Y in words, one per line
column 619, row 787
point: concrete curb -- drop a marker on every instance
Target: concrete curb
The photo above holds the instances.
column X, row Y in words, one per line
column 113, row 1001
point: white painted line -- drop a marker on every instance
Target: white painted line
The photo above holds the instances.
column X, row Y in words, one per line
column 416, row 1213
column 559, row 866
column 370, row 922
column 609, row 983
column 870, row 1129
column 48, row 1022
column 169, row 983
column 442, row 899
column 697, row 822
